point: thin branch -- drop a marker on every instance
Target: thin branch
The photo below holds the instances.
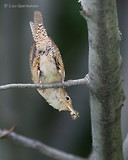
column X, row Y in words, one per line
column 83, row 81
column 38, row 146
column 125, row 148
column 34, row 144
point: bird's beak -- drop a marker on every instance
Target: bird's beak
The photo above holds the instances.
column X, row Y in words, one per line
column 73, row 113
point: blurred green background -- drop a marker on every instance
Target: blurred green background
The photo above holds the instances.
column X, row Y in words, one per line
column 25, row 108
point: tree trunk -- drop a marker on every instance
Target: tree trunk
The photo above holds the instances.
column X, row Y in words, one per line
column 106, row 94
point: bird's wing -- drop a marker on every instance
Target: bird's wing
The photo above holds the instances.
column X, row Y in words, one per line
column 58, row 60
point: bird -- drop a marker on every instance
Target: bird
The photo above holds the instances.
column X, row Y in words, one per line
column 46, row 66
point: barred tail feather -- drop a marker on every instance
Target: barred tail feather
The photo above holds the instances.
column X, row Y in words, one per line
column 32, row 29
column 37, row 20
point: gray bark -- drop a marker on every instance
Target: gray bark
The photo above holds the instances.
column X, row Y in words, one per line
column 106, row 94
column 125, row 148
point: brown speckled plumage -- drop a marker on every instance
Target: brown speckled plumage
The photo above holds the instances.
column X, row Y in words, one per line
column 47, row 66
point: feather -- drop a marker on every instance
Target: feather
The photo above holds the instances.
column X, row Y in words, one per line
column 58, row 60
column 37, row 20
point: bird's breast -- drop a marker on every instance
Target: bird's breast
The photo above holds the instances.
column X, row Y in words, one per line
column 48, row 69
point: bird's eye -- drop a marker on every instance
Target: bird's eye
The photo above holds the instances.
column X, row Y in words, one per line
column 67, row 98
column 39, row 51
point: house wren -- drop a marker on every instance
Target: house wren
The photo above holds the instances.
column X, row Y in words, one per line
column 47, row 67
